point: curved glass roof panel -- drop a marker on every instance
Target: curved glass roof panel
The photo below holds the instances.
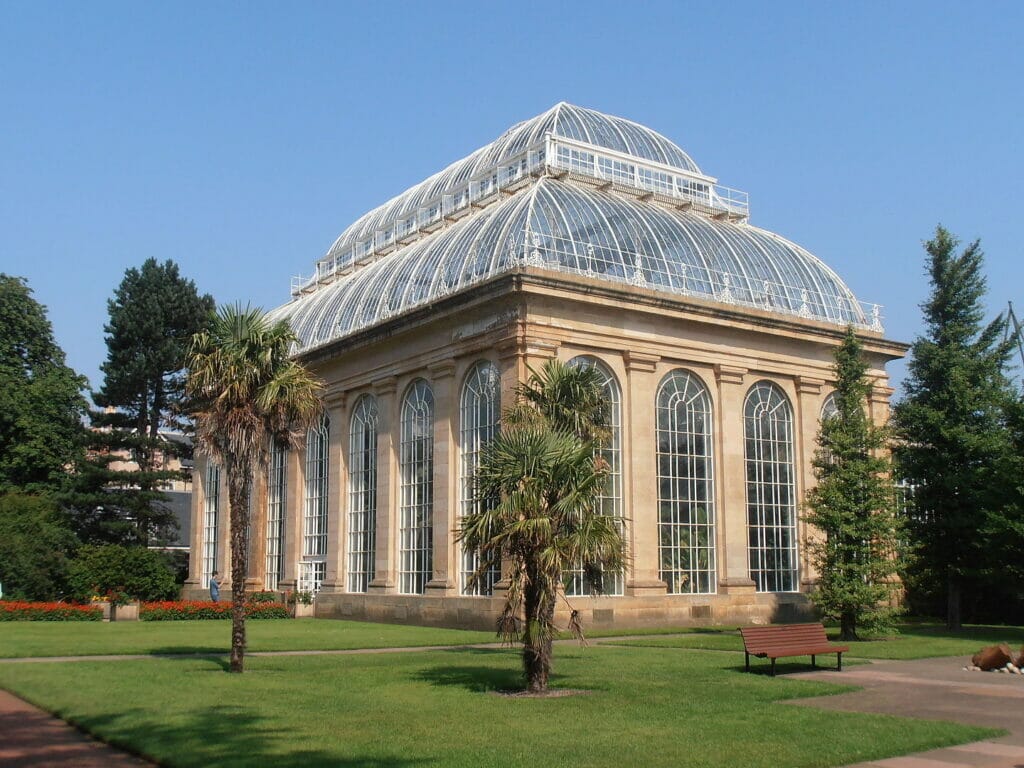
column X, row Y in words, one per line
column 578, row 229
column 562, row 120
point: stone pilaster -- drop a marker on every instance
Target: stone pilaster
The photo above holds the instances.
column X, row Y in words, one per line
column 640, row 462
column 294, row 510
column 810, row 399
column 731, row 489
column 337, row 477
column 444, row 579
column 385, row 565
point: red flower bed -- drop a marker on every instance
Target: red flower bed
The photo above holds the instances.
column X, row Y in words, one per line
column 182, row 610
column 15, row 610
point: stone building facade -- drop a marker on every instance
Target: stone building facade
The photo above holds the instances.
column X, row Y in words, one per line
column 590, row 239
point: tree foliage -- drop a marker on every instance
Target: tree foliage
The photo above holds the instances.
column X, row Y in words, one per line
column 853, row 505
column 36, row 545
column 538, row 483
column 954, row 440
column 246, row 391
column 128, row 573
column 41, row 403
column 152, row 317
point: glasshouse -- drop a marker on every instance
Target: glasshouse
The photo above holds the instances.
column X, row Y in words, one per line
column 597, row 241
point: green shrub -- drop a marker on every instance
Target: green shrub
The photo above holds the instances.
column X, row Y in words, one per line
column 134, row 573
column 35, row 545
column 262, row 597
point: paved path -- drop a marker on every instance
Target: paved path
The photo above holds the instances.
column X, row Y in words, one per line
column 31, row 737
column 935, row 689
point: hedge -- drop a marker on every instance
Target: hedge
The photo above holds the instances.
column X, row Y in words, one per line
column 16, row 610
column 182, row 610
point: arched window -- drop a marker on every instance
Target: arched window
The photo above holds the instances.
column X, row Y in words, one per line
column 686, row 494
column 211, row 518
column 313, row 567
column 277, row 493
column 829, row 407
column 362, row 493
column 479, row 411
column 416, row 532
column 771, row 492
column 610, row 501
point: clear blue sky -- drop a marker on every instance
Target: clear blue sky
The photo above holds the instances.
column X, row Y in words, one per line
column 239, row 139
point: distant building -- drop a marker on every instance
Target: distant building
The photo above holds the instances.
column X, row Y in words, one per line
column 598, row 241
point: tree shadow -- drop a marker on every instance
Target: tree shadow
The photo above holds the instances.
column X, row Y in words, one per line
column 223, row 735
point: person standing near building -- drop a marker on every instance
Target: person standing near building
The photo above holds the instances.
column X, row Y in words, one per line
column 215, row 587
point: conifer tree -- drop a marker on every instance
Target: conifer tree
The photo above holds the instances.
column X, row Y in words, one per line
column 853, row 505
column 153, row 315
column 952, row 427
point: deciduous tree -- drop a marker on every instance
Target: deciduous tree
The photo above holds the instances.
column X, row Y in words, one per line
column 41, row 402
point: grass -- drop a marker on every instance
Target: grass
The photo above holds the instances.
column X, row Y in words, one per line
column 19, row 639
column 645, row 707
column 916, row 640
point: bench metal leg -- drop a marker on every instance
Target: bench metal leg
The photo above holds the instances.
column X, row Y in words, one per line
column 773, row 667
column 813, row 662
column 747, row 654
column 840, row 654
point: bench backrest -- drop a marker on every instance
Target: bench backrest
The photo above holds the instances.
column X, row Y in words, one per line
column 756, row 639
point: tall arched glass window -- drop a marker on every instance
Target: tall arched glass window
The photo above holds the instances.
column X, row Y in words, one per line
column 211, row 519
column 771, row 490
column 362, row 493
column 277, row 494
column 479, row 412
column 610, row 501
column 686, row 494
column 313, row 567
column 829, row 407
column 416, row 532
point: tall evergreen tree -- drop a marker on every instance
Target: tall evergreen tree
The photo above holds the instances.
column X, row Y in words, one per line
column 952, row 425
column 41, row 402
column 853, row 504
column 153, row 315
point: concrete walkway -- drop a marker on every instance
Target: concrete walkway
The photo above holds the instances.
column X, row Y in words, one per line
column 935, row 689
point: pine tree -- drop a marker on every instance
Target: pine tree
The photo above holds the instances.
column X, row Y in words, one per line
column 952, row 426
column 853, row 505
column 41, row 403
column 153, row 315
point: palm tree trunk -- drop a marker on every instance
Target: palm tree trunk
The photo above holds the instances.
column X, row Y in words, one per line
column 239, row 481
column 539, row 609
column 848, row 626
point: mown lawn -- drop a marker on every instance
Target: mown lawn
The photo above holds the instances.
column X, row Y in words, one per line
column 916, row 640
column 52, row 638
column 644, row 707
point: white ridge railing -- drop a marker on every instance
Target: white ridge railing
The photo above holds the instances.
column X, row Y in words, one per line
column 553, row 154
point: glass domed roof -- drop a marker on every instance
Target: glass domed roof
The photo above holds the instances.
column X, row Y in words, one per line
column 574, row 229
column 571, row 191
column 563, row 120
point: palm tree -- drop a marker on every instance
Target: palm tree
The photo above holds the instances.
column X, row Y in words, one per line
column 246, row 391
column 538, row 484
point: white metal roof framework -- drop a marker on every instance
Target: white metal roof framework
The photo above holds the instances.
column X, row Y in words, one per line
column 573, row 191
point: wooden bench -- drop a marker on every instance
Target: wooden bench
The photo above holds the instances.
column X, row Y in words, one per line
column 781, row 640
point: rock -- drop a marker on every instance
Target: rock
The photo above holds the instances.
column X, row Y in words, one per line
column 992, row 657
column 974, row 668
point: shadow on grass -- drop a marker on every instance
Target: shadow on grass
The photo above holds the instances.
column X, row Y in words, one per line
column 475, row 679
column 223, row 735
